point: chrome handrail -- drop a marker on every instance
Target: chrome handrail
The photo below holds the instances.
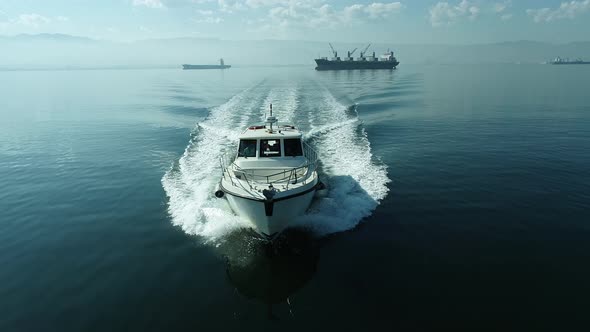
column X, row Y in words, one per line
column 227, row 163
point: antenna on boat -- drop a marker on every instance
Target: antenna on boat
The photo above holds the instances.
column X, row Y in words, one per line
column 271, row 119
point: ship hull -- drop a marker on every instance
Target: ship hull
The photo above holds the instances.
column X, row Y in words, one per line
column 270, row 217
column 323, row 64
column 187, row 67
column 572, row 63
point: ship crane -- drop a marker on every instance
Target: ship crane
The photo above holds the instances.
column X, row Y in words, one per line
column 351, row 53
column 333, row 51
column 365, row 51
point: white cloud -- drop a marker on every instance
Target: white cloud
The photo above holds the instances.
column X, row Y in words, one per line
column 378, row 9
column 210, row 20
column 230, row 6
column 350, row 13
column 145, row 29
column 149, row 3
column 500, row 7
column 32, row 20
column 262, row 3
column 445, row 14
column 283, row 14
column 310, row 14
column 568, row 10
column 473, row 12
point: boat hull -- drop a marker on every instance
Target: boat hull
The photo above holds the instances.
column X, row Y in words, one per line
column 571, row 63
column 187, row 67
column 323, row 64
column 270, row 217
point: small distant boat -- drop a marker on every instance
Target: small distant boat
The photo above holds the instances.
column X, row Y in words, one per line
column 560, row 61
column 272, row 178
column 221, row 65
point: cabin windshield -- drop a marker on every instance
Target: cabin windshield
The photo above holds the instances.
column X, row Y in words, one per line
column 293, row 147
column 247, row 148
column 270, row 148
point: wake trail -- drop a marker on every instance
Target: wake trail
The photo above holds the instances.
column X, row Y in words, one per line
column 285, row 103
column 356, row 180
column 190, row 184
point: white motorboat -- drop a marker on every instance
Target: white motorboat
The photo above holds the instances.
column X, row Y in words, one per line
column 272, row 178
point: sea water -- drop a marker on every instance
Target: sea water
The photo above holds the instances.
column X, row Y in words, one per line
column 459, row 196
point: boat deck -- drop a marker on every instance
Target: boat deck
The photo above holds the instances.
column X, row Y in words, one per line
column 251, row 183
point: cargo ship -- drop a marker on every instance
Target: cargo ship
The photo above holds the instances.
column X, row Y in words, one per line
column 385, row 61
column 221, row 65
column 560, row 61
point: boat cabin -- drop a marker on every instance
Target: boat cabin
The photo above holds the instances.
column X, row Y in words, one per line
column 260, row 147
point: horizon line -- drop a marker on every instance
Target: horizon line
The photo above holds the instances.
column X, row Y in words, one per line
column 281, row 40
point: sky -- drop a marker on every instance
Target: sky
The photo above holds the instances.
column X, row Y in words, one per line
column 404, row 21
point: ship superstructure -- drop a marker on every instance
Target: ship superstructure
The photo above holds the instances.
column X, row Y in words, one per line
column 567, row 61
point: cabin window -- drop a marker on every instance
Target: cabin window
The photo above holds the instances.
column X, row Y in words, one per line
column 247, row 148
column 270, row 148
column 293, row 147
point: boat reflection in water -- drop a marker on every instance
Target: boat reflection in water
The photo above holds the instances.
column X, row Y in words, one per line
column 270, row 272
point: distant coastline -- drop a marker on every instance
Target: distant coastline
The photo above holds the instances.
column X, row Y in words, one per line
column 63, row 52
column 124, row 67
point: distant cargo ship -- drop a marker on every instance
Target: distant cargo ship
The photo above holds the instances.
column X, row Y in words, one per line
column 221, row 65
column 560, row 61
column 386, row 61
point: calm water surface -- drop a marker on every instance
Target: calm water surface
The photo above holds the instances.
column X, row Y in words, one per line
column 459, row 198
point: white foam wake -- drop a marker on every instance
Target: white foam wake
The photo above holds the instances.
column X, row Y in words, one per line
column 357, row 182
column 284, row 102
column 190, row 184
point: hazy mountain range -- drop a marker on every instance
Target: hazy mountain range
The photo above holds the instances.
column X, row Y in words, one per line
column 65, row 51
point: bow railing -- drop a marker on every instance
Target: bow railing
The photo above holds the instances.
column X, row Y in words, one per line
column 286, row 176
